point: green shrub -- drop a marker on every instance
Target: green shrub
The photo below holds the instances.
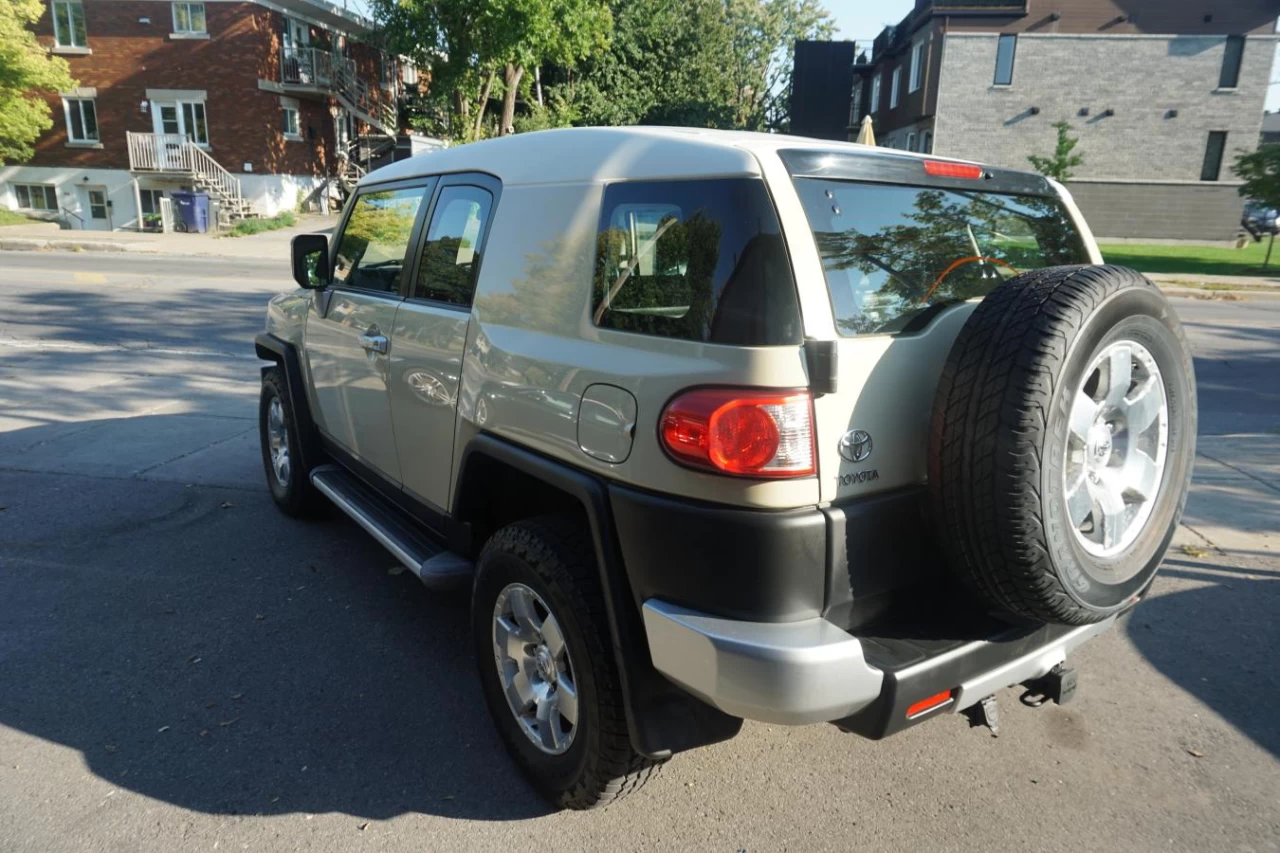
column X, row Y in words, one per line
column 256, row 226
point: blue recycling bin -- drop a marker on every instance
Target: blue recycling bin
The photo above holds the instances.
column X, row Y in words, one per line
column 193, row 211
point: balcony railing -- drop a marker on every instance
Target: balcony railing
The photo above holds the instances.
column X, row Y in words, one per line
column 177, row 154
column 333, row 72
column 307, row 66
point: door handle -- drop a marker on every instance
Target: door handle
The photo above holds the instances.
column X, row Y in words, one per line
column 375, row 343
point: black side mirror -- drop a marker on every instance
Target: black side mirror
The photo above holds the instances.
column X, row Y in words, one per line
column 311, row 261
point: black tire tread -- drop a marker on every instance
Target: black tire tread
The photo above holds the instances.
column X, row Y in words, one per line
column 988, row 428
column 561, row 551
column 301, row 499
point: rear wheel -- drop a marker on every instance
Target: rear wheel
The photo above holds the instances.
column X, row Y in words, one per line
column 1062, row 442
column 547, row 666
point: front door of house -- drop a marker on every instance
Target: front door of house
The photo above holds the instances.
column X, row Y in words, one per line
column 95, row 208
column 167, row 122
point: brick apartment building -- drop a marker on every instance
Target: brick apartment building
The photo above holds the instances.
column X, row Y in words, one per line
column 1161, row 93
column 257, row 103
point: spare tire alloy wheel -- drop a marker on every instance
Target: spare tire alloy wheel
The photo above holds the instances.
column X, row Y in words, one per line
column 535, row 669
column 1062, row 441
column 1115, row 453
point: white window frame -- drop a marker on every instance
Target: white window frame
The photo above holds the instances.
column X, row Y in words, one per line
column 926, row 142
column 916, row 80
column 79, row 40
column 189, row 30
column 189, row 129
column 894, row 86
column 875, row 94
column 49, row 191
column 290, row 105
column 911, row 141
column 76, row 103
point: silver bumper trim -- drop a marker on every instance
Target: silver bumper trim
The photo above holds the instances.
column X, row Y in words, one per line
column 1033, row 664
column 789, row 673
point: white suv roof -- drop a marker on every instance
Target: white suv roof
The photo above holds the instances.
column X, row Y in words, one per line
column 598, row 154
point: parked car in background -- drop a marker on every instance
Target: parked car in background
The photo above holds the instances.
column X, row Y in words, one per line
column 1258, row 219
column 724, row 426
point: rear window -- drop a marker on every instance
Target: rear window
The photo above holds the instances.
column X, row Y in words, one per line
column 699, row 260
column 895, row 255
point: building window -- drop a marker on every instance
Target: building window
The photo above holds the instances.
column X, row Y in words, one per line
column 894, row 85
column 855, row 105
column 194, row 122
column 875, row 94
column 926, row 143
column 36, row 196
column 917, row 67
column 1005, row 51
column 82, row 120
column 290, row 125
column 68, row 24
column 1231, row 58
column 189, row 18
column 911, row 141
column 1213, row 152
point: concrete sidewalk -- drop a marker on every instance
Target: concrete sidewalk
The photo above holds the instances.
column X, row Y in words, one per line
column 50, row 238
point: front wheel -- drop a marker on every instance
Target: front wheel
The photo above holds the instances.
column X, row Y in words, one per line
column 547, row 666
column 288, row 480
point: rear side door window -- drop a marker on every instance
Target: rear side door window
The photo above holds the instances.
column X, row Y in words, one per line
column 455, row 240
column 697, row 260
column 371, row 252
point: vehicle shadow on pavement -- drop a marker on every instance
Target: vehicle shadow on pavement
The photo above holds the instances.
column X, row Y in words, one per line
column 1232, row 673
column 199, row 648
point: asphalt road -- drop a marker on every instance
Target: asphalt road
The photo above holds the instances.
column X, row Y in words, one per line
column 183, row 668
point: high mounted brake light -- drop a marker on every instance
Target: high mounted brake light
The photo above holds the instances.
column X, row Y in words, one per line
column 940, row 169
column 742, row 432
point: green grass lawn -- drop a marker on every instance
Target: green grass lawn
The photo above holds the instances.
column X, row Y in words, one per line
column 8, row 217
column 1193, row 260
column 257, row 226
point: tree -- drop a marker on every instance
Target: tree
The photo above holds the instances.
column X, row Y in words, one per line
column 1061, row 165
column 1260, row 171
column 472, row 48
column 26, row 70
column 702, row 63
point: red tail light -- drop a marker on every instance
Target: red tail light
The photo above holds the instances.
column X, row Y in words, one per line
column 741, row 432
column 940, row 169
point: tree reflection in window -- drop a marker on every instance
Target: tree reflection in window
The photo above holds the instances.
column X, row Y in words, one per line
column 371, row 252
column 894, row 254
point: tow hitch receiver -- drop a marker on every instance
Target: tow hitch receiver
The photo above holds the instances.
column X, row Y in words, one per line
column 1059, row 686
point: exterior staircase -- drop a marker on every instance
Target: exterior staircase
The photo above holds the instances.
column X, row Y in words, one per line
column 363, row 155
column 175, row 155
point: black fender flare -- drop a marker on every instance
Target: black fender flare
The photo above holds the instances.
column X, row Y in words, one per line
column 285, row 355
column 662, row 719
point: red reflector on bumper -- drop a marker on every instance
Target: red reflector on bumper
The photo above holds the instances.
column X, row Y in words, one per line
column 935, row 701
column 940, row 169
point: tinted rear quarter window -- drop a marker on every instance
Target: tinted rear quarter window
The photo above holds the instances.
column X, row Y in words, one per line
column 893, row 255
column 698, row 260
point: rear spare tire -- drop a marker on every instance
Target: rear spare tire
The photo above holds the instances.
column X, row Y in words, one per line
column 1062, row 441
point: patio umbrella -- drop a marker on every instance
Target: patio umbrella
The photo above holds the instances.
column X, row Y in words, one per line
column 866, row 135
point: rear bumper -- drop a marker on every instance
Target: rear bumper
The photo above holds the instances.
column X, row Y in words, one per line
column 793, row 673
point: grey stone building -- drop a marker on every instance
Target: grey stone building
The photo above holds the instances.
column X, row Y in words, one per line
column 1162, row 94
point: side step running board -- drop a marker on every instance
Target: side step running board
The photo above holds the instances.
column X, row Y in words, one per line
column 409, row 542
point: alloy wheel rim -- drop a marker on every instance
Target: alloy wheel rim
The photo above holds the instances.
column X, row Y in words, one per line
column 535, row 669
column 278, row 441
column 1117, row 441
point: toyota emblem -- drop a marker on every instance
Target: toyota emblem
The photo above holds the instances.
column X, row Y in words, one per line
column 855, row 445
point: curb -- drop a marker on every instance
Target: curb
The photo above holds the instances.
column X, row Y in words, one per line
column 17, row 244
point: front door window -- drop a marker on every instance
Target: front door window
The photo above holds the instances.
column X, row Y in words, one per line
column 168, row 117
